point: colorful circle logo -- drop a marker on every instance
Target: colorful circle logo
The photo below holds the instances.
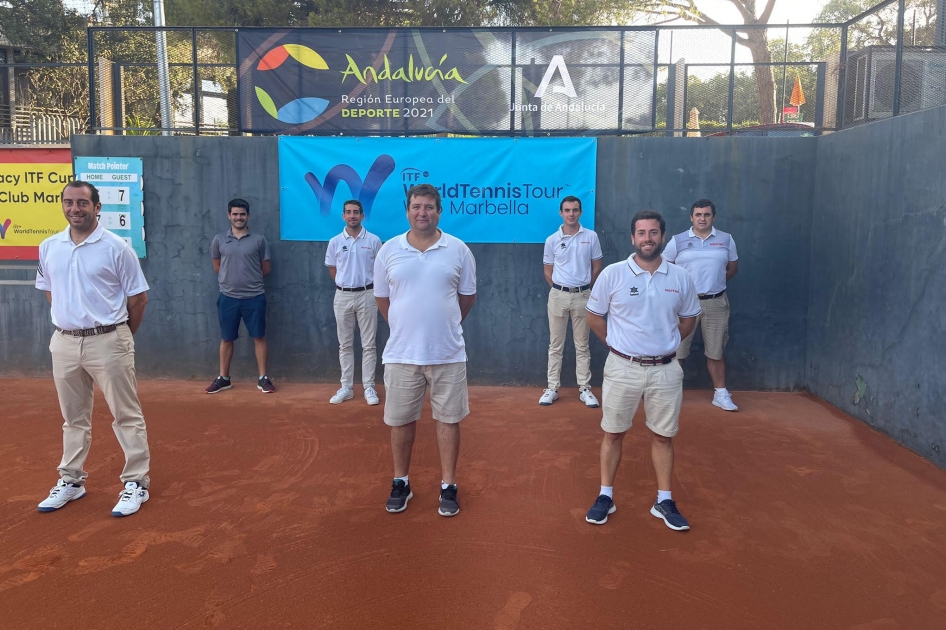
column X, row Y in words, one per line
column 300, row 110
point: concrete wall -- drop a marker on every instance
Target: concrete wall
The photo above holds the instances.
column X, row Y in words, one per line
column 877, row 329
column 762, row 187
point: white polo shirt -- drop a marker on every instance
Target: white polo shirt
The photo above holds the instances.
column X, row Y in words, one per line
column 424, row 315
column 353, row 258
column 571, row 256
column 643, row 308
column 705, row 258
column 89, row 282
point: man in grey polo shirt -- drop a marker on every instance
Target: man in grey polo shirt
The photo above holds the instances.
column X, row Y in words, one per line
column 241, row 260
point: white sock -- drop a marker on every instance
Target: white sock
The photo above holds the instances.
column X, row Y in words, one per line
column 663, row 495
column 404, row 479
column 226, row 378
column 721, row 390
column 444, row 484
column 607, row 491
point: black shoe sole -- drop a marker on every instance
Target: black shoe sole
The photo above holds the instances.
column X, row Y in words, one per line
column 404, row 507
column 217, row 391
column 613, row 509
column 657, row 513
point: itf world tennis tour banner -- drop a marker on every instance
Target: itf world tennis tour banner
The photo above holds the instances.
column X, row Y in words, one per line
column 471, row 81
column 494, row 190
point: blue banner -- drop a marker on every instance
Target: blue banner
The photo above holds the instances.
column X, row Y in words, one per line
column 494, row 190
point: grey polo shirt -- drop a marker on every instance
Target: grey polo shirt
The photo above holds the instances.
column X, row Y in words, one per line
column 241, row 268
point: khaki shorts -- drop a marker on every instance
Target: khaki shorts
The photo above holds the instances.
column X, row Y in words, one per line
column 626, row 382
column 405, row 385
column 715, row 321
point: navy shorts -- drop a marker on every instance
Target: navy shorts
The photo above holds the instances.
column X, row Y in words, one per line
column 251, row 310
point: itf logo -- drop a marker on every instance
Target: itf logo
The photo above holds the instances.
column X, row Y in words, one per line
column 300, row 110
column 364, row 191
column 4, row 227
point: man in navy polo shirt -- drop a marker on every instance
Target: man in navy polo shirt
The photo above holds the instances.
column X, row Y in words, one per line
column 241, row 260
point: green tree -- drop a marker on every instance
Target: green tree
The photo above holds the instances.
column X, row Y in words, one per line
column 755, row 39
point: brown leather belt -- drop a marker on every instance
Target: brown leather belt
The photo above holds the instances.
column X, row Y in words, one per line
column 664, row 360
column 710, row 296
column 91, row 332
column 355, row 289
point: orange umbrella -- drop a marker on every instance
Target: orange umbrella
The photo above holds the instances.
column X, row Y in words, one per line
column 798, row 95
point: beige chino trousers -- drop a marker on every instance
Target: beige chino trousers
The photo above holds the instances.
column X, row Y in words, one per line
column 562, row 307
column 109, row 361
column 349, row 307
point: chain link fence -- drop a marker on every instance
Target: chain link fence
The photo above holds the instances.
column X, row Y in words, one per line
column 676, row 80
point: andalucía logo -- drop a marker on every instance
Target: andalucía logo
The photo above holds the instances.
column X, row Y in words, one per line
column 364, row 191
column 4, row 227
column 300, row 110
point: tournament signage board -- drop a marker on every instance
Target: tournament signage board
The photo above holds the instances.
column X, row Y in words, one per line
column 463, row 80
column 31, row 183
column 494, row 190
column 119, row 182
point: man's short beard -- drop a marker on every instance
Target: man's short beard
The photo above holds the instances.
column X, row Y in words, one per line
column 645, row 257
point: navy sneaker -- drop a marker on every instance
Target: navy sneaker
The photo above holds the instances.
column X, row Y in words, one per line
column 598, row 514
column 448, row 501
column 400, row 495
column 220, row 384
column 265, row 385
column 667, row 510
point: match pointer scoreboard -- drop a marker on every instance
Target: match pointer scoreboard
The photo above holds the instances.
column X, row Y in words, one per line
column 118, row 180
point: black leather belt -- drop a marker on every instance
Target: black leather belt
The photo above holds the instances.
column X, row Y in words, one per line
column 91, row 332
column 571, row 289
column 664, row 360
column 710, row 296
column 355, row 289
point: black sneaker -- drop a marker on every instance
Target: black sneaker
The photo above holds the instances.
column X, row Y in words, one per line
column 265, row 385
column 448, row 501
column 218, row 385
column 667, row 510
column 400, row 495
column 598, row 514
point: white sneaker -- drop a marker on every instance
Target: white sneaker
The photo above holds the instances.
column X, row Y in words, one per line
column 588, row 398
column 342, row 395
column 548, row 397
column 371, row 396
column 61, row 494
column 724, row 401
column 130, row 499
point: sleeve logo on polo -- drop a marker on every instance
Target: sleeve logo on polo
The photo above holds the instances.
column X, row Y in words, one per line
column 634, row 292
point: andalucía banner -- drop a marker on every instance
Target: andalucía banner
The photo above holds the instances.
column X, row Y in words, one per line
column 31, row 183
column 494, row 190
column 459, row 80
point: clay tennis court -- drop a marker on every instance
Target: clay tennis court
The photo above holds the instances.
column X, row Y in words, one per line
column 268, row 512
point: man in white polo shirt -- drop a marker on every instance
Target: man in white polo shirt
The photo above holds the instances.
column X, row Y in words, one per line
column 425, row 285
column 572, row 261
column 649, row 305
column 96, row 290
column 350, row 261
column 710, row 257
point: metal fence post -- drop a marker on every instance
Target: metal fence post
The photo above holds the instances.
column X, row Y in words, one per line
column 842, row 78
column 90, row 57
column 901, row 12
column 196, row 82
column 732, row 82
